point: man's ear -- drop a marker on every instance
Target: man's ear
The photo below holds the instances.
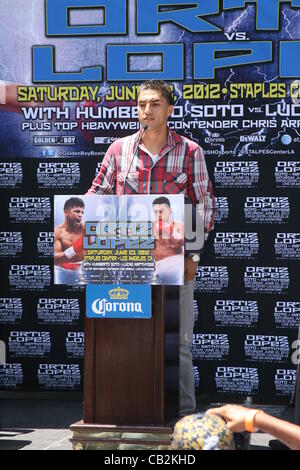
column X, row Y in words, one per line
column 170, row 110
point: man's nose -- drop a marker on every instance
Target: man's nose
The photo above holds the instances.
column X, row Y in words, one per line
column 147, row 108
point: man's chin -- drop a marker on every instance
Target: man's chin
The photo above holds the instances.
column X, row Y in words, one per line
column 76, row 225
column 150, row 125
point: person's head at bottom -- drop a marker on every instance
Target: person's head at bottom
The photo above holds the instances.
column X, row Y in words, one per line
column 202, row 432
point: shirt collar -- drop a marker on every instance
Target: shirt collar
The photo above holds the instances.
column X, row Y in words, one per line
column 173, row 138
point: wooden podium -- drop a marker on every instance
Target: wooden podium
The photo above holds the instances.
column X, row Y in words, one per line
column 131, row 378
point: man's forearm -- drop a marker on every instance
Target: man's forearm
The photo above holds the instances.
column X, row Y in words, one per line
column 286, row 432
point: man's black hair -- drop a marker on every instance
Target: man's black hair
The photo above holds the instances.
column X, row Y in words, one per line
column 161, row 200
column 73, row 202
column 157, row 85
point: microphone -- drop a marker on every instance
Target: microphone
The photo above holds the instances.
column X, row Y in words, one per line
column 137, row 143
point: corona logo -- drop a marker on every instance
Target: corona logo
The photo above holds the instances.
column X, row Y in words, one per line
column 113, row 301
column 118, row 294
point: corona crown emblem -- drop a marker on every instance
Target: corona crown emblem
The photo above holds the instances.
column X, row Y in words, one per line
column 118, row 294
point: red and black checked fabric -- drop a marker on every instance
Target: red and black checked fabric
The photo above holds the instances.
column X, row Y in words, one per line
column 179, row 169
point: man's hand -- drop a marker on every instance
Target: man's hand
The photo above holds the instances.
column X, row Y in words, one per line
column 75, row 249
column 234, row 416
column 190, row 269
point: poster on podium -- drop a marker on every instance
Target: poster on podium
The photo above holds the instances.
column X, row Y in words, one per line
column 119, row 239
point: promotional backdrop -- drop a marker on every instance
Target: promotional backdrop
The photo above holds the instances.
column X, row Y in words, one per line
column 234, row 67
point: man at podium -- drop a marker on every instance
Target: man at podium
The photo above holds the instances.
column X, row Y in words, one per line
column 156, row 160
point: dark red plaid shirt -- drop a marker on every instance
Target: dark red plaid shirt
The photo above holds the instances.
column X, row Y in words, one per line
column 179, row 169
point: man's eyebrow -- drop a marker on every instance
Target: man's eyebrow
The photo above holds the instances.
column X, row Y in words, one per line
column 153, row 100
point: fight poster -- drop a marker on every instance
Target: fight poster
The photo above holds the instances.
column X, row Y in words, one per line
column 119, row 239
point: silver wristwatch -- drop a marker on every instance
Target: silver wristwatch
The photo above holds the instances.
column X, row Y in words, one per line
column 195, row 257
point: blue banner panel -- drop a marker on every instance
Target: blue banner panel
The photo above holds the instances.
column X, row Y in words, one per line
column 111, row 301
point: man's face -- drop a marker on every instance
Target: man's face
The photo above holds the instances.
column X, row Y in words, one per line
column 162, row 212
column 153, row 109
column 74, row 216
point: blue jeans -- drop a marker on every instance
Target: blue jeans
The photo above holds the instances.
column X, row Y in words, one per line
column 187, row 401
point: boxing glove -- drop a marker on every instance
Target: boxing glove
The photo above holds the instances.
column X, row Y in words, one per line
column 75, row 249
column 163, row 229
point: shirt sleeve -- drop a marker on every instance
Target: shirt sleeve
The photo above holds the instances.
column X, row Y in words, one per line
column 105, row 181
column 200, row 189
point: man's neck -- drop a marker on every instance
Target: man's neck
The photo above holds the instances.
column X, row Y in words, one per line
column 155, row 140
column 72, row 229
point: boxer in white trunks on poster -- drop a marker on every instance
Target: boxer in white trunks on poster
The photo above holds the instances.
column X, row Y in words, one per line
column 68, row 243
